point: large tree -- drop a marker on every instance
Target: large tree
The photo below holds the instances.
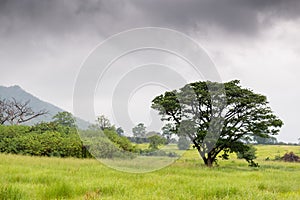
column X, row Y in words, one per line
column 217, row 117
column 17, row 112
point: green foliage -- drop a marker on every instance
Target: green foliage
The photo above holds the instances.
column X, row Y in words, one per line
column 64, row 119
column 155, row 141
column 54, row 139
column 183, row 143
column 53, row 126
column 120, row 141
column 247, row 152
column 201, row 110
column 40, row 142
column 107, row 143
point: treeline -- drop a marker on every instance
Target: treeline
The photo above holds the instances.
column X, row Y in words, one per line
column 271, row 141
column 61, row 138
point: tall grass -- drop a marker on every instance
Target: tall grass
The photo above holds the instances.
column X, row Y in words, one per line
column 24, row 177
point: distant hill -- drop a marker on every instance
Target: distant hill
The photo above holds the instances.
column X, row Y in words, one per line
column 36, row 104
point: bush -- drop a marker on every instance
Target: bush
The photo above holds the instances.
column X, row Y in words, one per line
column 37, row 142
column 107, row 144
column 290, row 157
column 155, row 141
column 50, row 139
column 248, row 153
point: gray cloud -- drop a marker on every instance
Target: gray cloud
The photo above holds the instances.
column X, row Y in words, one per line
column 66, row 18
column 43, row 43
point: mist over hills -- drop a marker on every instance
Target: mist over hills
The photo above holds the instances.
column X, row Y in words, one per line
column 36, row 104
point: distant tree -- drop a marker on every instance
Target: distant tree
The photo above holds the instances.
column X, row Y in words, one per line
column 64, row 119
column 217, row 117
column 103, row 123
column 299, row 140
column 139, row 130
column 16, row 112
column 265, row 140
column 120, row 131
column 167, row 132
column 155, row 141
column 183, row 143
column 151, row 133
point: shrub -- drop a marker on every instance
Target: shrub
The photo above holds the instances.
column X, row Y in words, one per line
column 291, row 157
column 248, row 154
column 49, row 139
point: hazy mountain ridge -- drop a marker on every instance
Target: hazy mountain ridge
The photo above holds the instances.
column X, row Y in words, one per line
column 35, row 103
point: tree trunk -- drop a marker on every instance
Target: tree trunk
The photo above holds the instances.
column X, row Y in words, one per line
column 208, row 161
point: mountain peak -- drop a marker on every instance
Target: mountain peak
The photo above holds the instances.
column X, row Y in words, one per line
column 11, row 87
column 16, row 87
column 35, row 103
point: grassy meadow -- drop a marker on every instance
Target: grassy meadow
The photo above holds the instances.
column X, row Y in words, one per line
column 25, row 177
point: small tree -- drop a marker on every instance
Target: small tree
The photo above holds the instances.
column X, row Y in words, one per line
column 155, row 141
column 139, row 130
column 64, row 119
column 120, row 131
column 103, row 123
column 249, row 154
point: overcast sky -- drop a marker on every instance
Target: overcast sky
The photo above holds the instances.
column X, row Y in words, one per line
column 44, row 43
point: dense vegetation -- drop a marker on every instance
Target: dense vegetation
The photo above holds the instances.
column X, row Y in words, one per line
column 60, row 138
column 56, row 141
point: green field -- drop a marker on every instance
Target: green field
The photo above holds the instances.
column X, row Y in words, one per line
column 25, row 177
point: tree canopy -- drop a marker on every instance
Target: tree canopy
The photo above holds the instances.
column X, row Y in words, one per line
column 64, row 119
column 139, row 130
column 217, row 117
column 103, row 123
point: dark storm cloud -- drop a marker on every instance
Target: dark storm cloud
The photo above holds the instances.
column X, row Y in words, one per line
column 44, row 42
column 34, row 17
column 236, row 16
